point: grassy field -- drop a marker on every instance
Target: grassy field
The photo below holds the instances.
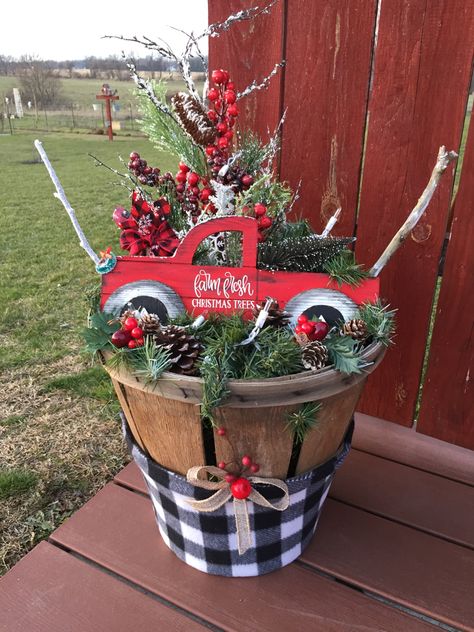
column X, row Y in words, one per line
column 59, row 432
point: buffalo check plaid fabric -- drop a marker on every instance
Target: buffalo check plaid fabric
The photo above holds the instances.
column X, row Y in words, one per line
column 208, row 541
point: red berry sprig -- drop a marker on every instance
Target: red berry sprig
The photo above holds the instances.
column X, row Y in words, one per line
column 313, row 329
column 130, row 335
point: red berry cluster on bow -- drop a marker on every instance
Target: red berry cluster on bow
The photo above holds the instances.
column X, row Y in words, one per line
column 192, row 198
column 145, row 230
column 239, row 485
column 130, row 335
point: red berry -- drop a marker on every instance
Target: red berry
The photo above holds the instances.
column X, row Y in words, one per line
column 255, row 467
column 180, row 177
column 130, row 323
column 221, row 128
column 137, row 332
column 302, row 318
column 298, row 329
column 120, row 338
column 212, row 116
column 166, row 208
column 183, row 167
column 307, row 328
column 229, row 96
column 320, row 330
column 140, row 342
column 223, row 142
column 265, row 222
column 231, row 85
column 213, row 94
column 226, row 76
column 229, row 134
column 221, row 465
column 195, row 191
column 132, row 344
column 246, row 461
column 180, row 188
column 147, row 171
column 218, row 104
column 247, row 180
column 134, row 156
column 233, row 110
column 193, row 178
column 241, row 488
column 260, row 238
column 218, row 76
column 205, row 193
column 221, row 432
column 230, row 478
column 210, row 150
column 260, row 209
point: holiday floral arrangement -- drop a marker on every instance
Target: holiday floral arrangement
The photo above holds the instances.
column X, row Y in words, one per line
column 222, row 284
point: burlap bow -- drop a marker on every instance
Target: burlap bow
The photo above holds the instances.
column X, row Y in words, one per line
column 223, row 494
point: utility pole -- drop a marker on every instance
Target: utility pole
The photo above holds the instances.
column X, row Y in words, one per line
column 107, row 95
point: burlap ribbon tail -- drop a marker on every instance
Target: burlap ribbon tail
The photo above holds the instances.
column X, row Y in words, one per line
column 223, row 494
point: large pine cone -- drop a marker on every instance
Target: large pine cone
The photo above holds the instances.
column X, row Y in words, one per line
column 184, row 348
column 276, row 317
column 355, row 328
column 314, row 355
column 150, row 323
column 193, row 119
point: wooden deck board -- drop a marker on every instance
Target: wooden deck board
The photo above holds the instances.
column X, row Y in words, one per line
column 406, row 446
column 52, row 591
column 387, row 558
column 426, row 501
column 116, row 529
column 414, row 569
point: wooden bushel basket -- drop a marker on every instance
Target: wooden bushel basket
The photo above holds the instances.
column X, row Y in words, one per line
column 165, row 420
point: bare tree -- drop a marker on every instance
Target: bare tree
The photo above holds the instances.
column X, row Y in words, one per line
column 38, row 82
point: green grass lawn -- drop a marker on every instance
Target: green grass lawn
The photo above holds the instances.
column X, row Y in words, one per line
column 60, row 438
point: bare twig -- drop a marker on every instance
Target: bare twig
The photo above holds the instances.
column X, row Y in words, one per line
column 214, row 30
column 263, row 84
column 145, row 85
column 64, row 201
column 442, row 162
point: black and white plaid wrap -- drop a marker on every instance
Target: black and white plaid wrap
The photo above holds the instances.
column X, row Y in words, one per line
column 208, row 541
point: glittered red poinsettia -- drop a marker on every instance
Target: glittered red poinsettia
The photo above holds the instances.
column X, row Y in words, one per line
column 145, row 229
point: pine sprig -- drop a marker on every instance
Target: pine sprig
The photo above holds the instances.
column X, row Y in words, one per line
column 344, row 269
column 166, row 133
column 344, row 353
column 379, row 320
column 301, row 421
column 310, row 253
column 146, row 362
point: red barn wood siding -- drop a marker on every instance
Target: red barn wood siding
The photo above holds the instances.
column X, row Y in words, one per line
column 328, row 55
column 422, row 71
column 447, row 408
column 249, row 50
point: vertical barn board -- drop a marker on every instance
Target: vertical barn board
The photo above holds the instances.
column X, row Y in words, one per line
column 328, row 53
column 422, row 72
column 447, row 406
column 249, row 50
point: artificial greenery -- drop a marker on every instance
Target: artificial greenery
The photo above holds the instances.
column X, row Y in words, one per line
column 147, row 362
column 344, row 353
column 309, row 253
column 101, row 326
column 252, row 153
column 379, row 320
column 301, row 421
column 343, row 269
column 164, row 131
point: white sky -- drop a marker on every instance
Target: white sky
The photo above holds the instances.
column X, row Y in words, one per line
column 61, row 29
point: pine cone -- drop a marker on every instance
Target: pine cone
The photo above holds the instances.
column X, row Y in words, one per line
column 276, row 317
column 150, row 323
column 184, row 348
column 193, row 119
column 355, row 328
column 127, row 314
column 314, row 355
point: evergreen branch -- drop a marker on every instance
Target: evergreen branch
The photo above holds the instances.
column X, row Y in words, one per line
column 379, row 320
column 343, row 353
column 299, row 253
column 301, row 421
column 146, row 362
column 344, row 269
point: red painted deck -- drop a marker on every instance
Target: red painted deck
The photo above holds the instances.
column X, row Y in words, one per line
column 393, row 551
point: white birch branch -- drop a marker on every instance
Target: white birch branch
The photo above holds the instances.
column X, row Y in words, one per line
column 442, row 162
column 64, row 201
column 331, row 223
